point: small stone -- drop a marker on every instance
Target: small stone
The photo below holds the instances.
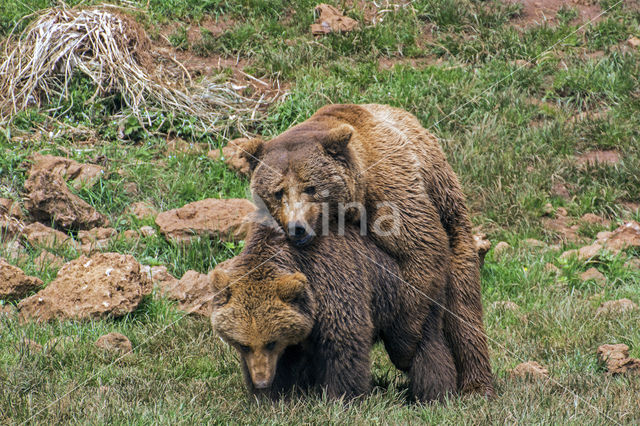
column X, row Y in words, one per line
column 530, row 369
column 616, row 307
column 115, row 342
column 500, row 249
column 561, row 211
column 592, row 274
column 548, row 209
column 130, row 188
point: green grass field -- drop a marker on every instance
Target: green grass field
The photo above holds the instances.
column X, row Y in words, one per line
column 515, row 104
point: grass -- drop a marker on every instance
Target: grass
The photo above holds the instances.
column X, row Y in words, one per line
column 510, row 129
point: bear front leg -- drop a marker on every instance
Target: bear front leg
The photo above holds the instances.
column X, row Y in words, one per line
column 342, row 370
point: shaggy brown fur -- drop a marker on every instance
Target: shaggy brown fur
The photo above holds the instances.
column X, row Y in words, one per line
column 372, row 154
column 307, row 319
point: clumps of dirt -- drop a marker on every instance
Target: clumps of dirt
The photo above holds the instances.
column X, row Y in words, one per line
column 104, row 285
column 541, row 12
column 142, row 210
column 194, row 293
column 616, row 359
column 15, row 284
column 593, row 158
column 222, row 218
column 40, row 235
column 96, row 239
column 230, row 156
column 530, row 370
column 49, row 199
column 114, row 343
column 592, row 274
column 500, row 249
column 483, row 245
column 11, row 208
column 10, row 227
column 567, row 227
column 331, row 20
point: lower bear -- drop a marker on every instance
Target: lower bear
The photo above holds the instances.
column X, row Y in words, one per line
column 307, row 320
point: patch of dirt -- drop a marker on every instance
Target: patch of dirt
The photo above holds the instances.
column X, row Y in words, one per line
column 616, row 307
column 105, row 285
column 114, row 342
column 14, row 283
column 330, row 19
column 539, row 12
column 530, row 369
column 616, row 359
column 231, row 158
column 222, row 218
column 592, row 274
column 597, row 157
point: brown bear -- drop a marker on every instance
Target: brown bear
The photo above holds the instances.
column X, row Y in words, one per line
column 377, row 166
column 307, row 319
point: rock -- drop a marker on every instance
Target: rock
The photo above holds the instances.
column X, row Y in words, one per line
column 533, row 243
column 589, row 252
column 616, row 359
column 221, row 218
column 115, row 342
column 330, row 20
column 548, row 210
column 625, row 236
column 38, row 234
column 482, row 246
column 592, row 274
column 160, row 276
column 147, row 231
column 11, row 208
column 105, row 285
column 530, row 369
column 506, row 305
column 193, row 293
column 49, row 199
column 143, row 211
column 10, row 227
column 616, row 307
column 96, row 239
column 14, row 283
column 48, row 260
column 68, row 169
column 500, row 249
column 131, row 189
column 550, row 268
column 633, row 42
column 31, row 346
column 562, row 212
column 230, row 156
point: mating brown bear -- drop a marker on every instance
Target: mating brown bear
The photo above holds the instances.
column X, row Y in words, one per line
column 376, row 165
column 307, row 319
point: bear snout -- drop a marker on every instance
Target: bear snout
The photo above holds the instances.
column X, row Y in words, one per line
column 300, row 233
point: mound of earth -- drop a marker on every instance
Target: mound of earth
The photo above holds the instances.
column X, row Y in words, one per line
column 219, row 218
column 104, row 285
column 231, row 158
column 14, row 283
column 616, row 359
column 38, row 234
column 193, row 292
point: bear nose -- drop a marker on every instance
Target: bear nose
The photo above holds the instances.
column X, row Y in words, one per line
column 261, row 383
column 298, row 230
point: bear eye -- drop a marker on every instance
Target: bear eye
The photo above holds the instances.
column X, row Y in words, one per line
column 278, row 194
column 310, row 190
column 269, row 346
column 244, row 348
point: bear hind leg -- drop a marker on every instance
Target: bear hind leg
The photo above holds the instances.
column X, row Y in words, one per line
column 432, row 374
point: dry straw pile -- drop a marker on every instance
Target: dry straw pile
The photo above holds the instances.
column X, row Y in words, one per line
column 114, row 51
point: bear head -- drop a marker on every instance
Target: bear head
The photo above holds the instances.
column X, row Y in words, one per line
column 304, row 177
column 261, row 313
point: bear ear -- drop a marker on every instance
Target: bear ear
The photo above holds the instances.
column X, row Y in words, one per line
column 337, row 139
column 220, row 287
column 291, row 286
column 250, row 150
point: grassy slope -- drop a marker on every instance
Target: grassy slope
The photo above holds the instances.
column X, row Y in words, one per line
column 495, row 118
